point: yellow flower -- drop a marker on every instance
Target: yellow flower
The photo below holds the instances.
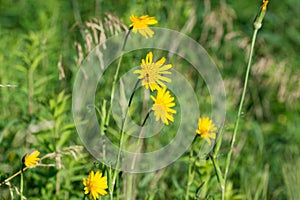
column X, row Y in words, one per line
column 206, row 129
column 141, row 24
column 95, row 184
column 163, row 104
column 264, row 5
column 32, row 159
column 152, row 73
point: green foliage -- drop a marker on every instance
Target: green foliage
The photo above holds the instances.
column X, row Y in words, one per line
column 39, row 59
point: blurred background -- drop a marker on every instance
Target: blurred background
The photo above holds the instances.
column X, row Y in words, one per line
column 42, row 44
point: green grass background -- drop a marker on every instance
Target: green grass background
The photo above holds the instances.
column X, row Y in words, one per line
column 37, row 35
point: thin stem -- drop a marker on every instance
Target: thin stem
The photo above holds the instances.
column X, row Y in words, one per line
column 189, row 181
column 131, row 96
column 215, row 163
column 30, row 91
column 131, row 178
column 21, row 185
column 139, row 144
column 98, row 8
column 102, row 117
column 145, row 120
column 218, row 143
column 257, row 25
column 78, row 17
column 219, row 174
column 109, row 111
column 115, row 80
column 228, row 160
column 119, row 153
column 118, row 190
column 25, row 168
column 122, row 133
column 13, row 176
column 110, row 183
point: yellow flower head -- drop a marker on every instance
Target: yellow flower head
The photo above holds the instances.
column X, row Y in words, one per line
column 206, row 129
column 152, row 73
column 264, row 5
column 32, row 159
column 95, row 184
column 163, row 104
column 141, row 24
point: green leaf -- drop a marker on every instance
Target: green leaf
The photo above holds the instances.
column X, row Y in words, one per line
column 65, row 136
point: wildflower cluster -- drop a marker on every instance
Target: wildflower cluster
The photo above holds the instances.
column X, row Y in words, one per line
column 153, row 73
column 152, row 76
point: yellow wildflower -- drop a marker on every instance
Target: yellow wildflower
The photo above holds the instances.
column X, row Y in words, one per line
column 31, row 160
column 95, row 184
column 264, row 5
column 141, row 24
column 163, row 104
column 206, row 129
column 152, row 73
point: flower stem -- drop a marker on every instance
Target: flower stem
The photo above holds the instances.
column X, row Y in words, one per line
column 21, row 185
column 219, row 174
column 131, row 96
column 190, row 178
column 115, row 79
column 25, row 168
column 215, row 163
column 218, row 144
column 13, row 176
column 228, row 159
column 110, row 183
column 116, row 171
column 122, row 136
column 140, row 144
column 257, row 26
column 131, row 178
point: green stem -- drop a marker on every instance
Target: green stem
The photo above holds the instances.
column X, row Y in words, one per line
column 219, row 174
column 30, row 91
column 115, row 79
column 228, row 159
column 21, row 185
column 116, row 171
column 218, row 144
column 13, row 176
column 190, row 178
column 131, row 96
column 122, row 134
column 103, row 116
column 110, row 183
column 257, row 26
column 109, row 111
column 140, row 144
column 131, row 178
column 215, row 163
column 77, row 17
column 129, row 189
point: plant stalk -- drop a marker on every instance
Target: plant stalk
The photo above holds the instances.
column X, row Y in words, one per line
column 21, row 185
column 190, row 178
column 116, row 171
column 257, row 25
